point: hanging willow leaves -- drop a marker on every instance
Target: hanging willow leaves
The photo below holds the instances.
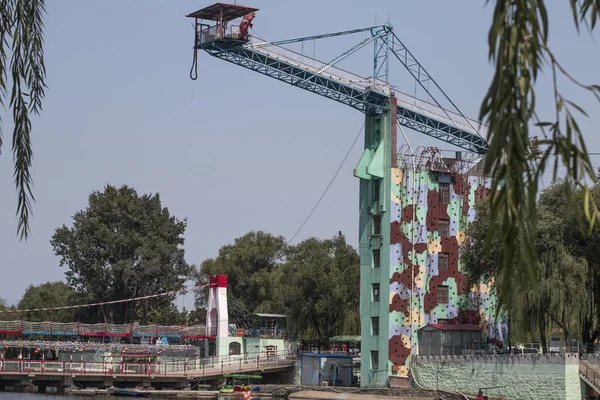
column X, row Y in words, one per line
column 518, row 46
column 22, row 37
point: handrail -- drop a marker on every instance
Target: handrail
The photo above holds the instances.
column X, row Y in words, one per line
column 590, row 373
column 191, row 367
column 115, row 330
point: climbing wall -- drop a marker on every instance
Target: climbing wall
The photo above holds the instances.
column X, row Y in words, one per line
column 416, row 247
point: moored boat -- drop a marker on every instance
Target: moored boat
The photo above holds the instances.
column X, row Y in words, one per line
column 124, row 392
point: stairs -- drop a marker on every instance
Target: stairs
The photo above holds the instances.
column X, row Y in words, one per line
column 590, row 374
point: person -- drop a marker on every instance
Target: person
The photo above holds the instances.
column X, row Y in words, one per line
column 246, row 24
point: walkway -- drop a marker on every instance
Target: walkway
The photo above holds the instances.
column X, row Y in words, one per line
column 199, row 367
column 590, row 374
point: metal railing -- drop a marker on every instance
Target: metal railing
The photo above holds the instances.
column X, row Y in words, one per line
column 589, row 373
column 194, row 366
column 102, row 329
column 364, row 84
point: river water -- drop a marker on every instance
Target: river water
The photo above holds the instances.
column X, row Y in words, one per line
column 36, row 396
column 39, row 396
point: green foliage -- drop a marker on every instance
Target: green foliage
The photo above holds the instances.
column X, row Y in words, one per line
column 316, row 283
column 248, row 264
column 322, row 281
column 49, row 294
column 122, row 246
column 562, row 264
column 518, row 46
column 22, row 27
column 6, row 316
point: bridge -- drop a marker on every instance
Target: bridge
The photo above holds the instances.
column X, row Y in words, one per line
column 590, row 374
column 160, row 375
column 163, row 357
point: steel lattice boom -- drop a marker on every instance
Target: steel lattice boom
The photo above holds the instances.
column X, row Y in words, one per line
column 368, row 95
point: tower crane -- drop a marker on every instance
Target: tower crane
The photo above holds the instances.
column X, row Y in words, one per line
column 385, row 108
column 368, row 95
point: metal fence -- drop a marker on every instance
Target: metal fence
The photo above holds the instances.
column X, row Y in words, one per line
column 185, row 367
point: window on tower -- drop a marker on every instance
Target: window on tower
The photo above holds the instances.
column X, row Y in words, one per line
column 444, row 193
column 376, row 258
column 444, row 227
column 376, row 187
column 375, row 325
column 376, row 224
column 443, row 295
column 376, row 292
column 443, row 261
column 374, row 359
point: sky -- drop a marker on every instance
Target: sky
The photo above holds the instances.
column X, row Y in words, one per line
column 233, row 151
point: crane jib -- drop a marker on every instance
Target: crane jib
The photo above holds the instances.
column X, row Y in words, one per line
column 367, row 97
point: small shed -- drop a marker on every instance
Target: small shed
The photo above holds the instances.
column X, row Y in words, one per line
column 326, row 369
column 449, row 339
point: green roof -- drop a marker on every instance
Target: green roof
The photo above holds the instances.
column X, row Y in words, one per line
column 242, row 376
column 345, row 338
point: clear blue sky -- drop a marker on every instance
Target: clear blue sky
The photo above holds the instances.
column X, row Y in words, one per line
column 235, row 151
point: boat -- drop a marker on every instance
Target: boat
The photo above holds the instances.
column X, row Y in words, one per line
column 124, row 392
column 240, row 383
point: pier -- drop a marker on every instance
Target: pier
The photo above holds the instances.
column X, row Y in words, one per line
column 174, row 375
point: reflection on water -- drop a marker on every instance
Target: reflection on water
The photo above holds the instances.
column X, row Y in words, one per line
column 36, row 396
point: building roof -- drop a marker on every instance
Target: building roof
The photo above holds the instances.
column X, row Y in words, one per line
column 230, row 12
column 327, row 355
column 345, row 338
column 270, row 315
column 452, row 327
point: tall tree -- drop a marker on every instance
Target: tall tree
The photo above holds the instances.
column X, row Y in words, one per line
column 518, row 45
column 248, row 264
column 321, row 281
column 316, row 282
column 561, row 297
column 122, row 246
column 6, row 316
column 22, row 37
column 49, row 294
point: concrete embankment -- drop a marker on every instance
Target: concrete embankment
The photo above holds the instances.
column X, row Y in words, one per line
column 285, row 392
column 311, row 395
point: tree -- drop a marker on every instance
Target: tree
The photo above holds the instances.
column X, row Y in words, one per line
column 322, row 288
column 6, row 316
column 123, row 246
column 248, row 264
column 315, row 283
column 561, row 297
column 49, row 294
column 518, row 44
column 22, row 27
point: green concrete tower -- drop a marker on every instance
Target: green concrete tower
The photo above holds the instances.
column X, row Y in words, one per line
column 375, row 172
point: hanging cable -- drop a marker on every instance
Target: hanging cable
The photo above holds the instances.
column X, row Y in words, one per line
column 327, row 188
column 152, row 296
column 194, row 69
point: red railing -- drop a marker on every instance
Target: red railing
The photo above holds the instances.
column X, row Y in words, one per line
column 194, row 366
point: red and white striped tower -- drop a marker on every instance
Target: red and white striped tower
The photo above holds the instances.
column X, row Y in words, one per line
column 217, row 322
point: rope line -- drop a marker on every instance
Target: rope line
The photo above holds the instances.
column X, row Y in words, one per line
column 328, row 186
column 172, row 292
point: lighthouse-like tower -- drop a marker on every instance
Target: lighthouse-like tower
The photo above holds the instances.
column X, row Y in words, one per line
column 217, row 323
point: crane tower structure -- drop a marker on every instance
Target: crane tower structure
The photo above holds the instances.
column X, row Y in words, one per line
column 414, row 205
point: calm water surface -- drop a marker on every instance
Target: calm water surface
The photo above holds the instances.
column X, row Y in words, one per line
column 35, row 396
